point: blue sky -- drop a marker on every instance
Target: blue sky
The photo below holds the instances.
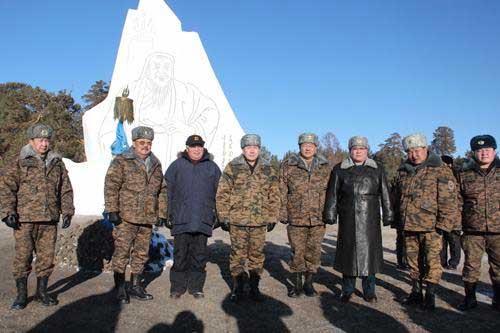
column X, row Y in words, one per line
column 350, row 67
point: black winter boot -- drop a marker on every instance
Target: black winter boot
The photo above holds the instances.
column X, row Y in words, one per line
column 121, row 291
column 415, row 297
column 297, row 285
column 137, row 290
column 22, row 294
column 495, row 303
column 308, row 285
column 254, row 287
column 238, row 287
column 41, row 292
column 430, row 297
column 470, row 301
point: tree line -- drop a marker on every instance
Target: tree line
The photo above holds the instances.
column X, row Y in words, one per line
column 22, row 105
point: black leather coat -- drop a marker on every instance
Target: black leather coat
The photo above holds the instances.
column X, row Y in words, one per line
column 356, row 195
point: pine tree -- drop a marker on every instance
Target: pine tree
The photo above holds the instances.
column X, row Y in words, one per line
column 22, row 106
column 96, row 94
column 443, row 142
column 330, row 148
column 390, row 155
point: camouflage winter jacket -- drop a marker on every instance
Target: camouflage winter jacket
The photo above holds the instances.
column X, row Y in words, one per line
column 136, row 189
column 37, row 190
column 426, row 197
column 247, row 198
column 480, row 193
column 303, row 191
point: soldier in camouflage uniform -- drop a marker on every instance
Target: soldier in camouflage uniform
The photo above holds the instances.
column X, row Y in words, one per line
column 135, row 199
column 34, row 191
column 479, row 182
column 247, row 204
column 426, row 205
column 303, row 181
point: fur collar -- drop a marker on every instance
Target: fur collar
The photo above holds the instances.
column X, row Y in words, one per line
column 295, row 159
column 27, row 151
column 241, row 160
column 432, row 161
column 349, row 163
column 206, row 155
column 471, row 164
column 130, row 155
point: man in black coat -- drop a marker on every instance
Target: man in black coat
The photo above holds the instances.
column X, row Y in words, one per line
column 192, row 181
column 357, row 193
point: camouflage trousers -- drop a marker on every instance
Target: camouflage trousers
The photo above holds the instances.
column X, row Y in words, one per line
column 247, row 248
column 474, row 246
column 306, row 247
column 423, row 253
column 131, row 244
column 39, row 238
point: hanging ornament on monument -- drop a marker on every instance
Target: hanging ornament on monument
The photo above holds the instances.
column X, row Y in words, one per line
column 124, row 107
column 124, row 111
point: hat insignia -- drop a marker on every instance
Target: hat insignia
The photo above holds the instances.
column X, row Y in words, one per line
column 480, row 142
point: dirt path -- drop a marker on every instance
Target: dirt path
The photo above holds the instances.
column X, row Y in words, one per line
column 86, row 302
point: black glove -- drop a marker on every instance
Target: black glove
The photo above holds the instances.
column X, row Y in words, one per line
column 66, row 221
column 216, row 225
column 270, row 226
column 114, row 217
column 12, row 221
column 161, row 222
column 225, row 225
column 284, row 222
column 331, row 222
column 168, row 223
column 439, row 231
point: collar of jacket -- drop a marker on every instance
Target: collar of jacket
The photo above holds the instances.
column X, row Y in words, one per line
column 471, row 164
column 131, row 155
column 432, row 161
column 206, row 156
column 349, row 163
column 240, row 160
column 27, row 151
column 295, row 159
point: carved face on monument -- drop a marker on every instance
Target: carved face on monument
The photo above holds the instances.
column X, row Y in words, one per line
column 160, row 69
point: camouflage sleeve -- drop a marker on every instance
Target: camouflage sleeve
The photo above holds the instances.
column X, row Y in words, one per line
column 9, row 185
column 223, row 196
column 66, row 193
column 448, row 218
column 331, row 199
column 163, row 200
column 112, row 185
column 387, row 212
column 274, row 199
column 283, row 179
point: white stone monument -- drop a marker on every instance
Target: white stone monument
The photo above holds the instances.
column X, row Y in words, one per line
column 175, row 91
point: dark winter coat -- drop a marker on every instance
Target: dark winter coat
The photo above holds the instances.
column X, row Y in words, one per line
column 191, row 189
column 356, row 194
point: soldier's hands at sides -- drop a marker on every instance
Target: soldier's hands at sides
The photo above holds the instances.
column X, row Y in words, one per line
column 270, row 226
column 66, row 221
column 329, row 221
column 12, row 221
column 224, row 225
column 114, row 217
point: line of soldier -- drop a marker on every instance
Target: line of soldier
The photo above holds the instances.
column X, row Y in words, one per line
column 247, row 200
